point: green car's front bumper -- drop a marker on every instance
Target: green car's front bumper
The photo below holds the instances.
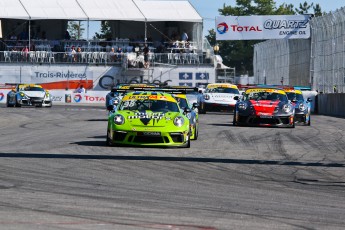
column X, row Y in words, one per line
column 178, row 138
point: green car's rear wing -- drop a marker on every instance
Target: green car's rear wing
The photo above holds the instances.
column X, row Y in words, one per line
column 179, row 90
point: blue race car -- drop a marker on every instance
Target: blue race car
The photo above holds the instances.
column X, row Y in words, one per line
column 302, row 106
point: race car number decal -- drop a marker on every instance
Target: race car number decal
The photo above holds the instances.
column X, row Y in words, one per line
column 139, row 115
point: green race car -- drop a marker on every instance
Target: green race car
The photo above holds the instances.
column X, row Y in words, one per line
column 148, row 118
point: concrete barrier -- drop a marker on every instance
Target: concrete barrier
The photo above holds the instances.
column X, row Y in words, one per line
column 332, row 104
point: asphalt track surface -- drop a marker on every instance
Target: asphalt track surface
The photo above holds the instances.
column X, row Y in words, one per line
column 57, row 173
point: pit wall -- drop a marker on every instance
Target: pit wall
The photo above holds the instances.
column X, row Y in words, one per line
column 68, row 97
column 102, row 77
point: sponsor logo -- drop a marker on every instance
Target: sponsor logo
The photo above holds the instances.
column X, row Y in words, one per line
column 222, row 28
column 2, row 96
column 64, row 75
column 90, row 98
column 56, row 98
column 237, row 28
column 77, row 98
column 285, row 24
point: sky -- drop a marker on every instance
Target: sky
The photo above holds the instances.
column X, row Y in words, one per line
column 208, row 10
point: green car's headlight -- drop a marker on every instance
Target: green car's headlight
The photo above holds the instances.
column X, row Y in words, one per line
column 119, row 119
column 178, row 121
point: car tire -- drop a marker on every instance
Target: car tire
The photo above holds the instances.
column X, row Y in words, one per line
column 18, row 105
column 233, row 120
column 108, row 141
column 309, row 123
column 196, row 132
column 187, row 145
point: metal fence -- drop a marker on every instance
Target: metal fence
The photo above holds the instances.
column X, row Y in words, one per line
column 318, row 62
column 282, row 62
column 327, row 52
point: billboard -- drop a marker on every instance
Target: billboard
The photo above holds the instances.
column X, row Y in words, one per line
column 262, row 27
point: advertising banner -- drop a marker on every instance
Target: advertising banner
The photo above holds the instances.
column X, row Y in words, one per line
column 262, row 27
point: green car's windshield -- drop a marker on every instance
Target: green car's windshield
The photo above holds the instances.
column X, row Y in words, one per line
column 271, row 96
column 147, row 104
column 295, row 96
column 222, row 90
column 182, row 102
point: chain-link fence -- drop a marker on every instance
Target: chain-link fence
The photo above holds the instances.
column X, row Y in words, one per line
column 327, row 52
column 318, row 62
column 282, row 62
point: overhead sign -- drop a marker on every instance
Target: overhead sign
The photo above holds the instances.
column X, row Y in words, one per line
column 262, row 27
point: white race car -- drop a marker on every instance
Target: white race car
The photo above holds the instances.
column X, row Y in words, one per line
column 30, row 95
column 220, row 96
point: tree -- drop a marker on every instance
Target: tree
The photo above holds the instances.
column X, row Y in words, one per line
column 304, row 8
column 317, row 10
column 75, row 29
column 239, row 54
column 105, row 31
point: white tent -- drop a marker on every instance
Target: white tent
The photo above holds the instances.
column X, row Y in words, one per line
column 12, row 9
column 54, row 9
column 111, row 10
column 98, row 10
column 168, row 11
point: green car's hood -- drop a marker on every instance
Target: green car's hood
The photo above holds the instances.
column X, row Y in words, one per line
column 148, row 118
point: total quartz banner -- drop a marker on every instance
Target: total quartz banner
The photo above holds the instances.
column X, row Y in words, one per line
column 262, row 27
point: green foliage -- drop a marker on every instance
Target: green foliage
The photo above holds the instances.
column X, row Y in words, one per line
column 75, row 29
column 105, row 31
column 239, row 54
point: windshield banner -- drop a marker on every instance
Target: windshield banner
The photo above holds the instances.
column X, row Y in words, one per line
column 262, row 27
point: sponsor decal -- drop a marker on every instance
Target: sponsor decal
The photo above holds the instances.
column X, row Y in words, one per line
column 1, row 96
column 77, row 98
column 258, row 27
column 57, row 98
column 92, row 99
column 222, row 28
column 145, row 118
column 62, row 74
column 265, row 90
column 185, row 76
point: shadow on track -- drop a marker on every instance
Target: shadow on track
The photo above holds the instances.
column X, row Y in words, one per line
column 170, row 159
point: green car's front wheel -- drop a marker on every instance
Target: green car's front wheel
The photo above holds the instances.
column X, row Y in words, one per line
column 108, row 140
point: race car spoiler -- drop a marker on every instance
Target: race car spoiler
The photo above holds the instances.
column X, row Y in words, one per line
column 182, row 90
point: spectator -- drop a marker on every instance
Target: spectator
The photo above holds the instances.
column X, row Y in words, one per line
column 78, row 54
column 184, row 36
column 67, row 35
column 119, row 53
column 72, row 54
column 81, row 89
column 25, row 52
column 146, row 56
column 112, row 54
